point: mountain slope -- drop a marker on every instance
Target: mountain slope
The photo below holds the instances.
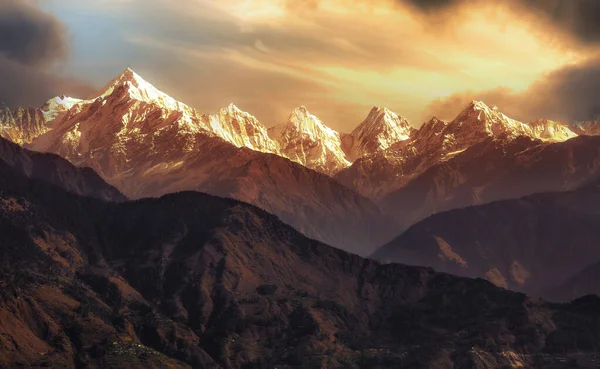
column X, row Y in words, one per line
column 436, row 142
column 194, row 280
column 57, row 171
column 533, row 244
column 147, row 144
column 585, row 282
column 495, row 170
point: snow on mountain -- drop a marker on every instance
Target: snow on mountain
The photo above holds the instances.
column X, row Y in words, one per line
column 381, row 129
column 146, row 144
column 478, row 120
column 60, row 104
column 133, row 110
column 306, row 140
column 548, row 130
column 141, row 90
column 241, row 129
column 435, row 142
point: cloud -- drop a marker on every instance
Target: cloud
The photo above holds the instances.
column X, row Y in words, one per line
column 22, row 85
column 28, row 35
column 31, row 43
column 347, row 54
column 570, row 94
column 340, row 57
column 579, row 18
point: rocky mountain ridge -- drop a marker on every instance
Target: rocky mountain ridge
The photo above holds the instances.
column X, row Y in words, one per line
column 192, row 280
column 303, row 138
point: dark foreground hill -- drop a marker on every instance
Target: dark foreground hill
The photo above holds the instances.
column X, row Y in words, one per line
column 191, row 280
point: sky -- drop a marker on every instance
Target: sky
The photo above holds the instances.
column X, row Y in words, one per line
column 532, row 58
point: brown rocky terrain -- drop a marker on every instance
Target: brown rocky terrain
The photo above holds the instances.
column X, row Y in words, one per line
column 191, row 280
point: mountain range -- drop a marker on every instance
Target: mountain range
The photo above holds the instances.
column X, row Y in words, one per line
column 354, row 191
column 193, row 280
column 138, row 232
column 543, row 244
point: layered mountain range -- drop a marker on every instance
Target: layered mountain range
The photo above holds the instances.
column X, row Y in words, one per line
column 354, row 191
column 543, row 244
column 189, row 280
column 147, row 144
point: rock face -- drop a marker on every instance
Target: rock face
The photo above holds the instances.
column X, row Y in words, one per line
column 191, row 280
column 552, row 131
column 21, row 125
column 534, row 244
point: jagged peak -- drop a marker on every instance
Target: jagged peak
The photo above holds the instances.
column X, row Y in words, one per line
column 302, row 112
column 139, row 89
column 378, row 110
column 549, row 130
column 479, row 107
column 434, row 121
column 232, row 109
column 476, row 105
column 301, row 115
column 128, row 76
column 381, row 119
column 302, row 121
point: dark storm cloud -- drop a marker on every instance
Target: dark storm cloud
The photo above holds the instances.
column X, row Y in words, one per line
column 31, row 41
column 568, row 94
column 28, row 35
column 580, row 18
column 22, row 85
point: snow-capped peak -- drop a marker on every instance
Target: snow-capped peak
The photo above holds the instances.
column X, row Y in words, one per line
column 479, row 119
column 383, row 119
column 381, row 129
column 305, row 139
column 548, row 130
column 302, row 121
column 233, row 109
column 241, row 129
column 477, row 105
column 139, row 89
